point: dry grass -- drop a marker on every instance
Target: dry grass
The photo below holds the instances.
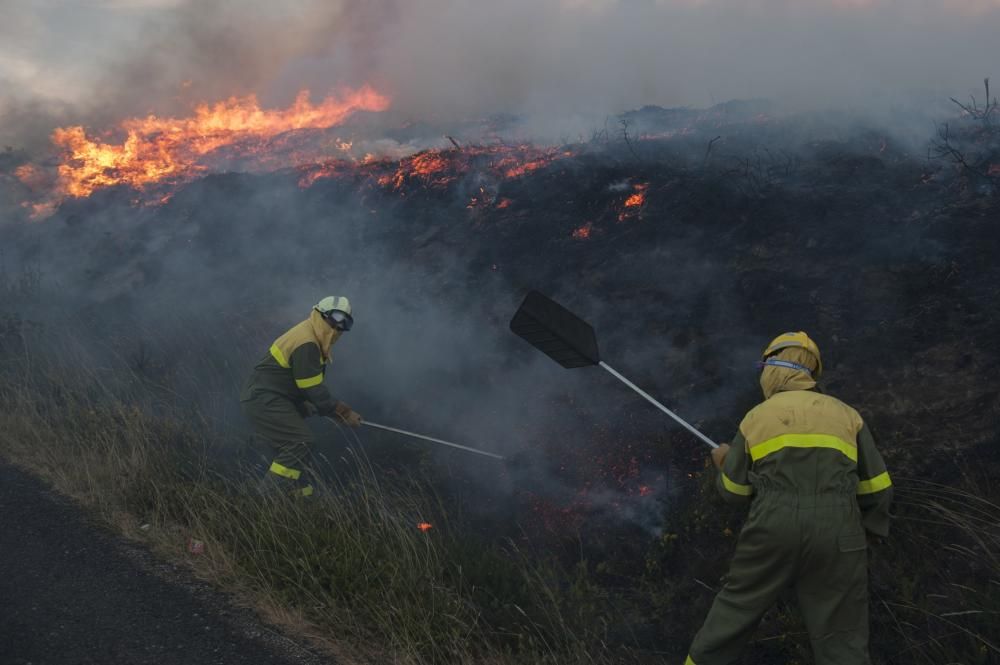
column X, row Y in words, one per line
column 350, row 570
column 347, row 567
column 944, row 565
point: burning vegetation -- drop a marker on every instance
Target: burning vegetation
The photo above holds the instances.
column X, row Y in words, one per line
column 171, row 151
column 155, row 156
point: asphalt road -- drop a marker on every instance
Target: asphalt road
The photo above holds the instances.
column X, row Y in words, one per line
column 74, row 594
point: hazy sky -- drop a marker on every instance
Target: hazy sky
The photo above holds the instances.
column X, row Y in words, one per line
column 95, row 61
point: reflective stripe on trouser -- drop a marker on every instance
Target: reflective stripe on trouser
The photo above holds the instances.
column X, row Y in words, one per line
column 278, row 421
column 291, row 465
column 274, row 484
column 292, row 456
column 813, row 543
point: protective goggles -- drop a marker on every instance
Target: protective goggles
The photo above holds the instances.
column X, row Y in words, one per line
column 787, row 364
column 340, row 320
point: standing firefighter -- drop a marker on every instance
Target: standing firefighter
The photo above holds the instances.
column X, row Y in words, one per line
column 808, row 466
column 287, row 386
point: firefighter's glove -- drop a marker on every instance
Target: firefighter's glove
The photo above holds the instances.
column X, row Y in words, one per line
column 351, row 417
column 719, row 455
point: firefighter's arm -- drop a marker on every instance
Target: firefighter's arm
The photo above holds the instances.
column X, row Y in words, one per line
column 307, row 370
column 733, row 481
column 874, row 486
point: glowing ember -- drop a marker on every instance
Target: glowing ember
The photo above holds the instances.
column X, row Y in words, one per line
column 633, row 204
column 528, row 167
column 168, row 149
column 440, row 168
column 425, row 526
column 638, row 198
column 519, row 170
column 331, row 169
column 583, row 233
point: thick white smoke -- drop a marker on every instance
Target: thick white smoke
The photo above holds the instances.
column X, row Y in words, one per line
column 444, row 59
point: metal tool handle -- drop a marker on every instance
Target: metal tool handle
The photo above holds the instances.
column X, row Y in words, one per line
column 426, row 438
column 659, row 406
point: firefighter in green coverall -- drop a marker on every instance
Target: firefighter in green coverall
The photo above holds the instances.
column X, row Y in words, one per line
column 286, row 387
column 807, row 465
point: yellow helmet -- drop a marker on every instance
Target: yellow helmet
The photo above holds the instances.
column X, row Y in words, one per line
column 797, row 340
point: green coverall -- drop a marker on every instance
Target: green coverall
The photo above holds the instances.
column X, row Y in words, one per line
column 808, row 466
column 285, row 387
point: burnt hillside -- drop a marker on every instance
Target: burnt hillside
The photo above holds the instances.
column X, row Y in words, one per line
column 688, row 239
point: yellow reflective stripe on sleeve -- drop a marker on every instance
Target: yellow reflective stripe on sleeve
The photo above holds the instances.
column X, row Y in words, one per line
column 688, row 661
column 284, row 471
column 762, row 450
column 310, row 382
column 877, row 484
column 306, row 491
column 279, row 356
column 736, row 488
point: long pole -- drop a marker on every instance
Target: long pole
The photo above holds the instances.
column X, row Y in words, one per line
column 423, row 437
column 659, row 406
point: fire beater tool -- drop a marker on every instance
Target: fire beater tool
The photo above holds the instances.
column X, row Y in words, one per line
column 570, row 341
column 423, row 437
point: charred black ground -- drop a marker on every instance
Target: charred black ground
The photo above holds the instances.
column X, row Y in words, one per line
column 883, row 248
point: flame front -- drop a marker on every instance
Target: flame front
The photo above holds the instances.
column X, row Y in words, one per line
column 440, row 168
column 168, row 149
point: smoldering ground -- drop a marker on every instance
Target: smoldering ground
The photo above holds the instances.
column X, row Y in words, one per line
column 188, row 296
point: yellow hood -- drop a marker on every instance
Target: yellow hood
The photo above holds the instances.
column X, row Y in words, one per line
column 780, row 379
column 325, row 334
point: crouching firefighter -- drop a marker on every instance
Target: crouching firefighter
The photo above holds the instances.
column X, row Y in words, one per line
column 286, row 387
column 807, row 465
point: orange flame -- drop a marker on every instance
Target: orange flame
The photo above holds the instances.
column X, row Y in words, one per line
column 527, row 167
column 634, row 200
column 440, row 168
column 639, row 197
column 331, row 169
column 425, row 526
column 168, row 149
column 633, row 204
column 430, row 166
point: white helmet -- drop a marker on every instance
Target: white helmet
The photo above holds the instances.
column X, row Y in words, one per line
column 337, row 311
